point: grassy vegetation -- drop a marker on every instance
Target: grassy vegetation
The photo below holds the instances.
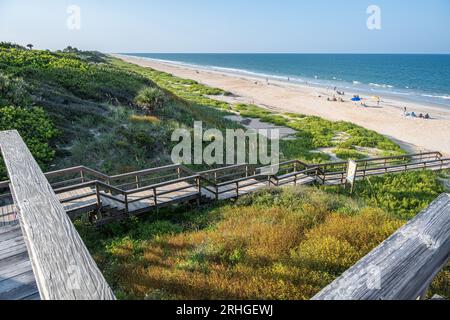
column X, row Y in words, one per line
column 313, row 132
column 276, row 244
column 403, row 195
column 105, row 116
column 346, row 154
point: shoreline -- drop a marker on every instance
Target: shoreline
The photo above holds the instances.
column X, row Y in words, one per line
column 413, row 135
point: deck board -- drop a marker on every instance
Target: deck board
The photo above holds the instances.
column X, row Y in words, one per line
column 17, row 280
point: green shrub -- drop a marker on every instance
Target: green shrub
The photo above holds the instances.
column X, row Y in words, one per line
column 151, row 99
column 13, row 91
column 9, row 45
column 403, row 195
column 341, row 240
column 346, row 154
column 34, row 127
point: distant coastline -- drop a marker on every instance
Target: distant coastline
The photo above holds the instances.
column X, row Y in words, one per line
column 425, row 87
column 414, row 135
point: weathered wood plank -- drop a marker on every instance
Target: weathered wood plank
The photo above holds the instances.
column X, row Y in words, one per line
column 18, row 287
column 402, row 267
column 62, row 265
column 16, row 275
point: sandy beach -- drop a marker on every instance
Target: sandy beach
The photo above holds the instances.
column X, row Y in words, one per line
column 414, row 135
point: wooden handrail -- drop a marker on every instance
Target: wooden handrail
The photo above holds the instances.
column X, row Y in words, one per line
column 222, row 169
column 331, row 164
column 402, row 267
column 144, row 172
column 159, row 185
column 62, row 265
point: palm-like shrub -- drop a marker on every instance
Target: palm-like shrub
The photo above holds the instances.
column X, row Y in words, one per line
column 151, row 99
column 13, row 91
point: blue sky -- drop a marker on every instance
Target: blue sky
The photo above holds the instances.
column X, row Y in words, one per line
column 414, row 26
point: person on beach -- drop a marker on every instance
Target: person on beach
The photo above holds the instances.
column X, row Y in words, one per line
column 334, row 99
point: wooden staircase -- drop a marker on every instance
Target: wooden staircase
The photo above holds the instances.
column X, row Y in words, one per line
column 82, row 190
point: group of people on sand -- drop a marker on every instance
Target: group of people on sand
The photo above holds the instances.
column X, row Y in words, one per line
column 414, row 115
column 334, row 99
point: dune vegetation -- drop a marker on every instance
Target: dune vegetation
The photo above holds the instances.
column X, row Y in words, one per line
column 313, row 133
column 94, row 102
column 85, row 108
column 277, row 244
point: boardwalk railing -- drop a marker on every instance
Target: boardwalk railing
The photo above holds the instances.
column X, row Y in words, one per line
column 138, row 192
column 335, row 172
column 62, row 265
column 404, row 266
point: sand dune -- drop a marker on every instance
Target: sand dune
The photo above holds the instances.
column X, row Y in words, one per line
column 413, row 135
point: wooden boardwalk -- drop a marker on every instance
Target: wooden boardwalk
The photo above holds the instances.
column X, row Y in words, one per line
column 17, row 280
column 116, row 197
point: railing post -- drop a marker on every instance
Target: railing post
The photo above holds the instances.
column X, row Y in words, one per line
column 199, row 188
column 237, row 189
column 138, row 183
column 97, row 192
column 127, row 212
column 155, row 196
column 365, row 169
column 217, row 193
column 82, row 175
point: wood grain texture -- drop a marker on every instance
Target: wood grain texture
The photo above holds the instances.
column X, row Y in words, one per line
column 17, row 280
column 402, row 267
column 62, row 265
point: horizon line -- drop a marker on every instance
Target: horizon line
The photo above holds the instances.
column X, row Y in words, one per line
column 287, row 53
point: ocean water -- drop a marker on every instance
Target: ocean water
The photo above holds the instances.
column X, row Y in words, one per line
column 422, row 78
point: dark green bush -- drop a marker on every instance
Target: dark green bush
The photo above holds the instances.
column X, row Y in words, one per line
column 13, row 91
column 151, row 99
column 34, row 127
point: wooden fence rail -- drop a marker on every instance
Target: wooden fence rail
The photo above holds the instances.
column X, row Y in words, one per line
column 62, row 265
column 402, row 267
